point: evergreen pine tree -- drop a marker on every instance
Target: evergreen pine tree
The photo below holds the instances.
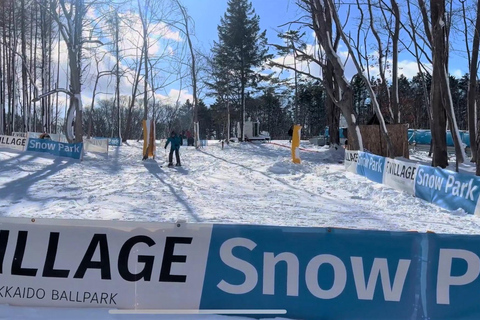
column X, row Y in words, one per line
column 241, row 49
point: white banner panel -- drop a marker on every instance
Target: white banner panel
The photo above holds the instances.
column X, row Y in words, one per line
column 400, row 175
column 96, row 145
column 53, row 136
column 109, row 264
column 18, row 143
column 351, row 160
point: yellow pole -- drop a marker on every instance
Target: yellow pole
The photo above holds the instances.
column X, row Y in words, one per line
column 296, row 143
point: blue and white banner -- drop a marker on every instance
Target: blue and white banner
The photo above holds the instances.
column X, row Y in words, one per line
column 371, row 166
column 69, row 150
column 14, row 142
column 114, row 142
column 291, row 272
column 128, row 265
column 400, row 175
column 351, row 160
column 448, row 189
column 96, row 145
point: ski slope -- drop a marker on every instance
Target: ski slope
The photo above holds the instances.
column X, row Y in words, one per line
column 242, row 184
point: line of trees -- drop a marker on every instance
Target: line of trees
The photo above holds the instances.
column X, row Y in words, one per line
column 385, row 28
column 52, row 52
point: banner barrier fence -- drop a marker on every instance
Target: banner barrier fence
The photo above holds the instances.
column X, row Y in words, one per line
column 13, row 142
column 297, row 272
column 53, row 136
column 60, row 149
column 445, row 188
column 116, row 142
column 96, row 145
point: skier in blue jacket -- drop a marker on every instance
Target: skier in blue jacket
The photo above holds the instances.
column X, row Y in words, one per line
column 174, row 141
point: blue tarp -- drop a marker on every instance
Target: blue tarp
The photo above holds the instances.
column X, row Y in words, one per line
column 424, row 136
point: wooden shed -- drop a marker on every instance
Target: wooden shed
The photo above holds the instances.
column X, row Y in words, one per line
column 374, row 142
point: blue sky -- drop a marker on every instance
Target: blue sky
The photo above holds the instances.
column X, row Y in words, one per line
column 273, row 13
column 206, row 15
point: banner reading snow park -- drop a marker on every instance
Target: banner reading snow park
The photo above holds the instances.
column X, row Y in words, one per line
column 370, row 166
column 448, row 189
column 14, row 142
column 69, row 150
column 291, row 272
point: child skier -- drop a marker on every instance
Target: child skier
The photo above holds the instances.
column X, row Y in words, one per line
column 174, row 141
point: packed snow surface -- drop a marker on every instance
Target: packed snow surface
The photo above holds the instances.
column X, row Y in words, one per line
column 243, row 183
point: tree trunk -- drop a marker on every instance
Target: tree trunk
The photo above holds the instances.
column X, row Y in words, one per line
column 321, row 12
column 472, row 90
column 132, row 100
column 25, row 100
column 440, row 158
column 333, row 112
column 395, row 38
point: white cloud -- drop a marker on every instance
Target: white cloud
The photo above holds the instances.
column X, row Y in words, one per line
column 457, row 73
column 175, row 95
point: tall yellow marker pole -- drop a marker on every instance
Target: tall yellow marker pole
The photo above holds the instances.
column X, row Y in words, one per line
column 149, row 138
column 296, row 143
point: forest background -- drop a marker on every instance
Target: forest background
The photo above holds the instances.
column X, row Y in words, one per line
column 99, row 68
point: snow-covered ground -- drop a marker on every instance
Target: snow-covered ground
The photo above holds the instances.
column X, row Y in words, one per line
column 243, row 183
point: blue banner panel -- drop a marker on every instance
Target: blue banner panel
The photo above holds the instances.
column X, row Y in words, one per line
column 452, row 282
column 69, row 150
column 448, row 189
column 313, row 273
column 371, row 166
column 466, row 138
column 114, row 142
column 111, row 141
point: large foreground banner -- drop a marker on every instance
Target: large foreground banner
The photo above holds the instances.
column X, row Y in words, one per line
column 293, row 272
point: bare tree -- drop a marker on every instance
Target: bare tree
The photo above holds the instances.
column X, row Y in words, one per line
column 437, row 34
column 193, row 69
column 472, row 90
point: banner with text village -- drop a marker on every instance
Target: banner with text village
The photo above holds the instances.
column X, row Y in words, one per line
column 128, row 265
column 295, row 272
column 69, row 150
column 96, row 145
column 400, row 175
column 370, row 166
column 14, row 142
column 448, row 189
column 351, row 160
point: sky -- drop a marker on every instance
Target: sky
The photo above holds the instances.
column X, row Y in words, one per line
column 242, row 184
column 275, row 14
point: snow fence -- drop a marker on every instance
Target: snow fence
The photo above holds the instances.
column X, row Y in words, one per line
column 257, row 271
column 445, row 188
column 59, row 149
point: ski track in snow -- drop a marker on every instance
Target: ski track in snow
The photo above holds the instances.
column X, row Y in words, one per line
column 244, row 183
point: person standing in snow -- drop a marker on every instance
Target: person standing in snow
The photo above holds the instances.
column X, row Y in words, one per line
column 174, row 141
column 290, row 133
